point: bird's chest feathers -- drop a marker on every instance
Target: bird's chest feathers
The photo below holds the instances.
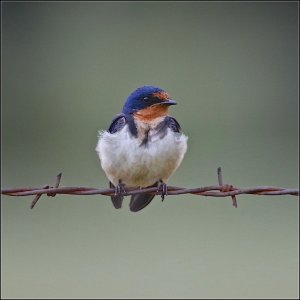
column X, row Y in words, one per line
column 147, row 130
column 141, row 160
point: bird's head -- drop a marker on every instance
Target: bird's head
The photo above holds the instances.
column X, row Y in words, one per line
column 148, row 102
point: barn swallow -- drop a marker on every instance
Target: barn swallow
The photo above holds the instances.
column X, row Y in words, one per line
column 142, row 147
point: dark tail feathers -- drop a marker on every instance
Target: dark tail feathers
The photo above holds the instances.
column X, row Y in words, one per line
column 137, row 202
column 140, row 201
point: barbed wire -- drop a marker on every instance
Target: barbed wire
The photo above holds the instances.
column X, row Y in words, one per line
column 211, row 191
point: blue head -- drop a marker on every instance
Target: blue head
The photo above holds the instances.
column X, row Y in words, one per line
column 144, row 97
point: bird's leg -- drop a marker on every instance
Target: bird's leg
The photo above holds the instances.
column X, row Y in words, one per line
column 120, row 189
column 164, row 189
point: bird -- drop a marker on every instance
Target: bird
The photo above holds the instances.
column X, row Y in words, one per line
column 142, row 147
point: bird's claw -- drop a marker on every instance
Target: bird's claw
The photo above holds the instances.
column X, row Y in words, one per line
column 120, row 189
column 163, row 188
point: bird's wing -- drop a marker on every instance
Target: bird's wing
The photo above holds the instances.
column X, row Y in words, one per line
column 120, row 121
column 117, row 123
column 172, row 124
column 168, row 122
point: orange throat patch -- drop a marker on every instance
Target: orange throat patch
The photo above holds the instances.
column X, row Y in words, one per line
column 152, row 112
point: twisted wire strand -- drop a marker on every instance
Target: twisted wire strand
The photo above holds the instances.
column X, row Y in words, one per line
column 212, row 191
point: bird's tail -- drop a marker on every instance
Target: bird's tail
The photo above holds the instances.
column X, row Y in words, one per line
column 137, row 202
column 140, row 201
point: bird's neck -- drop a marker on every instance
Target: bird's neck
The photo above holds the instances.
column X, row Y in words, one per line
column 151, row 113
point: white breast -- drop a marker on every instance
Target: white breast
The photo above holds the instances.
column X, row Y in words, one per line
column 124, row 158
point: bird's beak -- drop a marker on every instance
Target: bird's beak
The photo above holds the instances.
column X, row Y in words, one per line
column 167, row 102
column 170, row 102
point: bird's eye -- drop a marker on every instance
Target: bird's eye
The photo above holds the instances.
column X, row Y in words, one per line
column 146, row 99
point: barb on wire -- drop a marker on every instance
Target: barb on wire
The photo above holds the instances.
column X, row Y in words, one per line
column 38, row 196
column 220, row 190
column 226, row 187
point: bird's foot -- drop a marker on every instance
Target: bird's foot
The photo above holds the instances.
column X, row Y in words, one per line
column 120, row 189
column 163, row 188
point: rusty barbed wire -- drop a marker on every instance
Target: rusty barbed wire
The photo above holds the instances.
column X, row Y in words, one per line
column 211, row 191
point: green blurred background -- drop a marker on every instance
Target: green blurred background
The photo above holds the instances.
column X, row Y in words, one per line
column 68, row 67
